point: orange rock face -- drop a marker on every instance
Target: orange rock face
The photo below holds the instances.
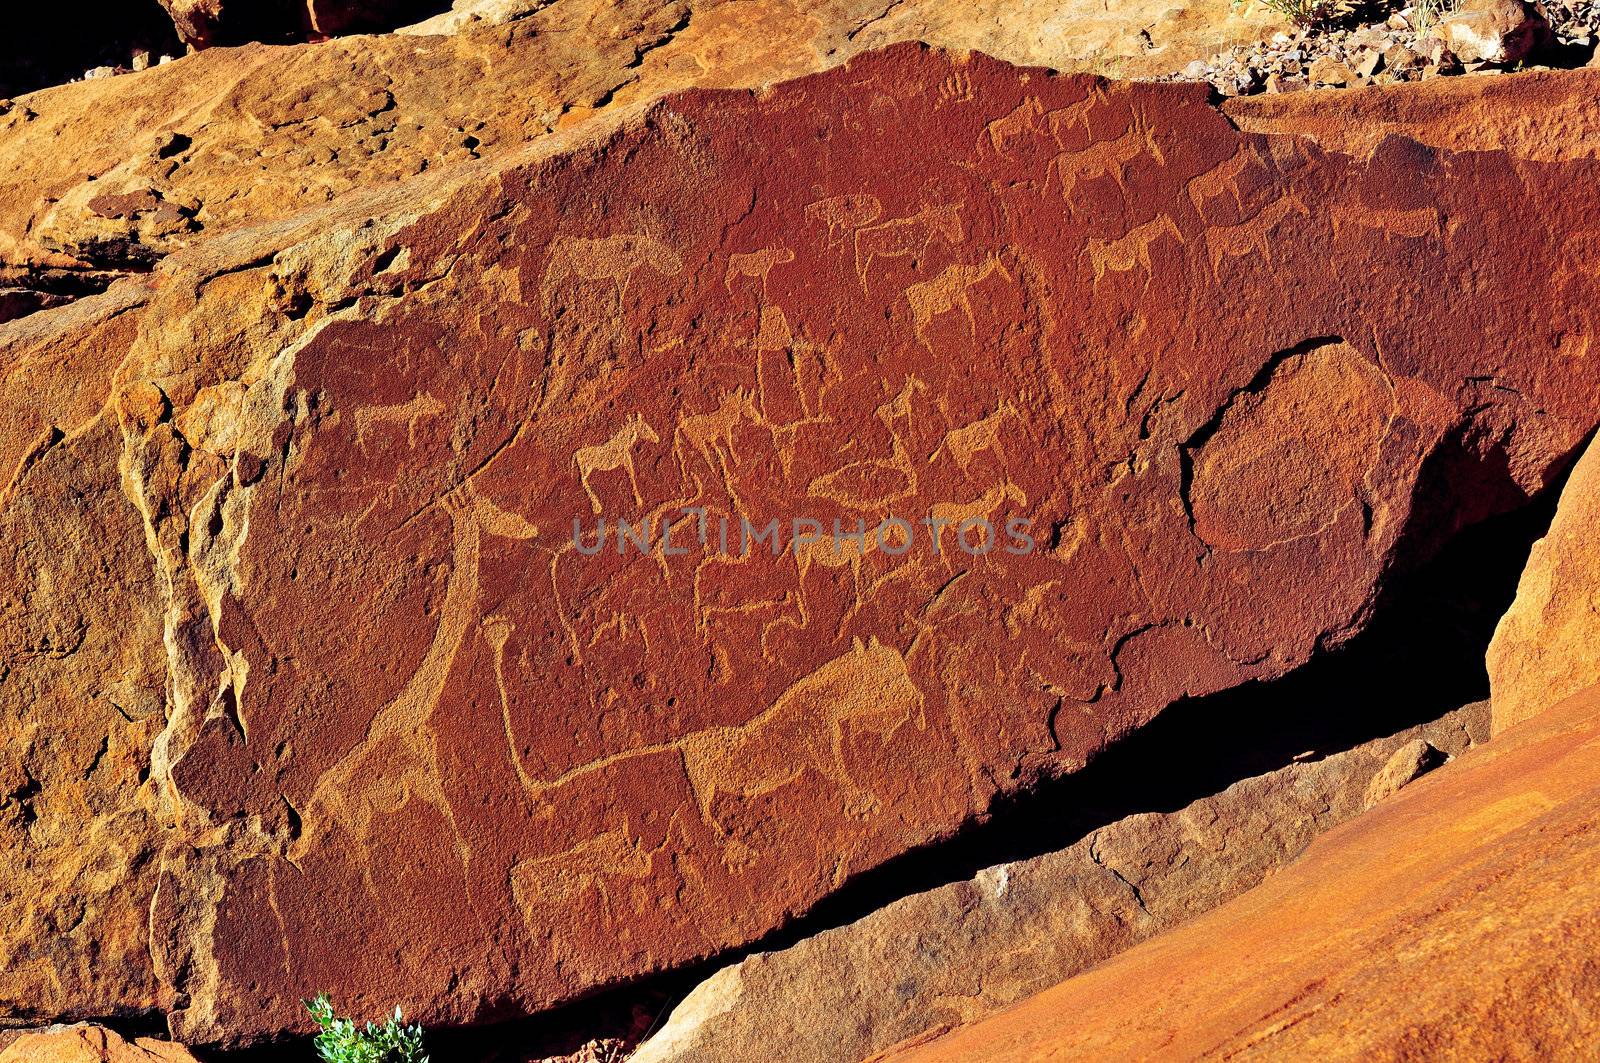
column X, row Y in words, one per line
column 1456, row 921
column 398, row 733
column 91, row 1044
column 1546, row 645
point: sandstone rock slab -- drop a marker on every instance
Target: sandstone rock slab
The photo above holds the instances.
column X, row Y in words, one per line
column 385, row 705
column 1547, row 646
column 91, row 1044
column 229, row 137
column 963, row 951
column 1456, row 920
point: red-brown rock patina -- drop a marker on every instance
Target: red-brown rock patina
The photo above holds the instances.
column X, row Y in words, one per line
column 419, row 748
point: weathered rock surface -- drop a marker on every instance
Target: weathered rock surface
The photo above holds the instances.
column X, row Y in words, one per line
column 234, row 136
column 1547, row 646
column 90, row 1044
column 1494, row 31
column 205, row 23
column 1542, row 115
column 955, row 954
column 306, row 664
column 1458, row 920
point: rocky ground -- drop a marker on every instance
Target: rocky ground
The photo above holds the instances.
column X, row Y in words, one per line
column 1414, row 43
column 305, row 688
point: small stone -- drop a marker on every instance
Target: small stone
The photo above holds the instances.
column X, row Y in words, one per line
column 99, row 72
column 1493, row 31
column 1330, row 71
column 140, row 61
column 1408, row 763
column 1282, row 39
column 1367, row 62
column 1197, row 70
column 1400, row 58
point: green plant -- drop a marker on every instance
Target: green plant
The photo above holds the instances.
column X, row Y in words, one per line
column 342, row 1041
column 1307, row 14
column 1425, row 14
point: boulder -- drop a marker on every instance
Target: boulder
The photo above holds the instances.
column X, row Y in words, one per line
column 235, row 136
column 204, row 23
column 934, row 960
column 1454, row 921
column 319, row 678
column 1492, row 31
column 1547, row 646
column 91, row 1044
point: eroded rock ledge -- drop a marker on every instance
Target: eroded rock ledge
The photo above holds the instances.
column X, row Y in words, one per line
column 304, row 666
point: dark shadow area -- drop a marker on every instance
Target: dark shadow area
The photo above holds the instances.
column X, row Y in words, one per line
column 1421, row 656
column 51, row 44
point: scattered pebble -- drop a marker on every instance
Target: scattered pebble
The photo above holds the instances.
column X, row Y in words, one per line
column 1380, row 52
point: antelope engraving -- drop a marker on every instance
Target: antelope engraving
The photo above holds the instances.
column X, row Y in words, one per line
column 841, row 214
column 904, row 237
column 710, row 435
column 608, row 258
column 966, row 442
column 1122, row 254
column 755, row 264
column 1250, row 236
column 615, row 453
column 949, row 290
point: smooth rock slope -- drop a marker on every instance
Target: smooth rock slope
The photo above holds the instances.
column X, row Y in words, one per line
column 1548, row 645
column 1456, row 921
column 314, row 689
column 934, row 960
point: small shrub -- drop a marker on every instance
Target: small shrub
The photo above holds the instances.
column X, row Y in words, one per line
column 342, row 1041
column 1308, row 14
column 1425, row 14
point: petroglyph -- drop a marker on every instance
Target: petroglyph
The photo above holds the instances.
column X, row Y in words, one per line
column 967, row 442
column 614, row 453
column 903, row 237
column 842, row 214
column 949, row 290
column 1252, row 236
column 559, row 880
column 1220, row 180
column 755, row 264
column 1390, row 224
column 876, row 482
column 868, row 688
column 957, row 517
column 711, row 437
column 1122, row 254
column 608, row 258
column 1024, row 121
column 399, row 754
column 408, row 413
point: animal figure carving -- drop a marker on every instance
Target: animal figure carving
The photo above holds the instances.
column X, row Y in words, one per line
column 903, row 237
column 842, row 214
column 608, row 258
column 755, row 264
column 950, row 516
column 711, row 435
column 966, row 442
column 949, row 290
column 1251, row 236
column 867, row 688
column 614, row 453
column 1122, row 254
column 876, row 481
column 408, row 413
